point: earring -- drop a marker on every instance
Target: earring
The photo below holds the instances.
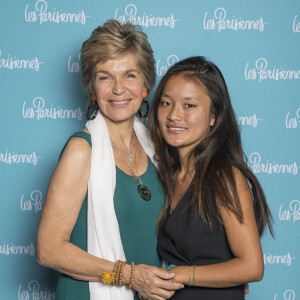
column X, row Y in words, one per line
column 145, row 94
column 145, row 114
column 92, row 106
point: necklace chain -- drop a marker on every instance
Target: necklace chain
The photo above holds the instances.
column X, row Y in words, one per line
column 143, row 191
column 137, row 178
column 190, row 181
column 192, row 176
column 129, row 158
column 120, row 150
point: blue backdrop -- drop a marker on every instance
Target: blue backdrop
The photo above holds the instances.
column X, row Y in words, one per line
column 256, row 45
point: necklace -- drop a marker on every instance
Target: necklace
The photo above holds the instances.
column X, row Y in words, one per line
column 190, row 181
column 120, row 150
column 142, row 189
column 192, row 176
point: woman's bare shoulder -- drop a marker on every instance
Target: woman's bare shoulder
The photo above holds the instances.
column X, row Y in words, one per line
column 77, row 148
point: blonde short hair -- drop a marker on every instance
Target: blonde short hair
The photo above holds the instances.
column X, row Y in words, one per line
column 113, row 40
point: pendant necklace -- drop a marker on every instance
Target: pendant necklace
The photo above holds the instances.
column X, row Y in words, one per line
column 142, row 189
column 192, row 176
column 190, row 181
column 120, row 150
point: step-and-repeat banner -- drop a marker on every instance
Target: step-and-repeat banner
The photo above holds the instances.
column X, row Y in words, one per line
column 255, row 43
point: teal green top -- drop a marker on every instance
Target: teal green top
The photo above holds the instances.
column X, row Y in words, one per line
column 137, row 223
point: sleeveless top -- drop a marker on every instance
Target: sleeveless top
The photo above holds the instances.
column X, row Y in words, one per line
column 185, row 240
column 137, row 223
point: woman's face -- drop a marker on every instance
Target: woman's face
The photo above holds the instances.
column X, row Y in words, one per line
column 119, row 86
column 184, row 113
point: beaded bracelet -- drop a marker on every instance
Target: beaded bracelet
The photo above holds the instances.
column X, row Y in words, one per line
column 116, row 265
column 114, row 277
column 117, row 271
column 131, row 275
column 170, row 267
column 120, row 282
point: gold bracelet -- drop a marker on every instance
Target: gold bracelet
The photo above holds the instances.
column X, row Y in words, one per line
column 191, row 270
column 194, row 267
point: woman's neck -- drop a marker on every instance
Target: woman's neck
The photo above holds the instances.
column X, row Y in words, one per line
column 187, row 163
column 121, row 133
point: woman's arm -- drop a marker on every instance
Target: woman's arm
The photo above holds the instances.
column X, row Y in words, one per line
column 247, row 264
column 66, row 192
column 65, row 195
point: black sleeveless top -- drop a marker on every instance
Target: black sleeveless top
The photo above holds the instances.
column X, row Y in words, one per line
column 185, row 240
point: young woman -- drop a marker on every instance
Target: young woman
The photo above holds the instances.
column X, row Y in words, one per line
column 215, row 211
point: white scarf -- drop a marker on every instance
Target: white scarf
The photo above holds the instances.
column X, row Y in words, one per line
column 104, row 238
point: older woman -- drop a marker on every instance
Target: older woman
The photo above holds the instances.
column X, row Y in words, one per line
column 104, row 197
column 215, row 210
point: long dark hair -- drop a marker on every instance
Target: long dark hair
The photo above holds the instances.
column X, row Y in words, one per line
column 215, row 156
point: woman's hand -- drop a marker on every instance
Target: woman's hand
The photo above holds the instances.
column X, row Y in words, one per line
column 243, row 238
column 151, row 283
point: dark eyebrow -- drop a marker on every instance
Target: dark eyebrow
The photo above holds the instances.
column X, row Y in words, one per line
column 189, row 98
column 165, row 95
column 185, row 98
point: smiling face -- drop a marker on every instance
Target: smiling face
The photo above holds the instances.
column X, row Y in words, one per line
column 119, row 86
column 184, row 113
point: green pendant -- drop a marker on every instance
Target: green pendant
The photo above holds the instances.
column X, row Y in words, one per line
column 144, row 192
